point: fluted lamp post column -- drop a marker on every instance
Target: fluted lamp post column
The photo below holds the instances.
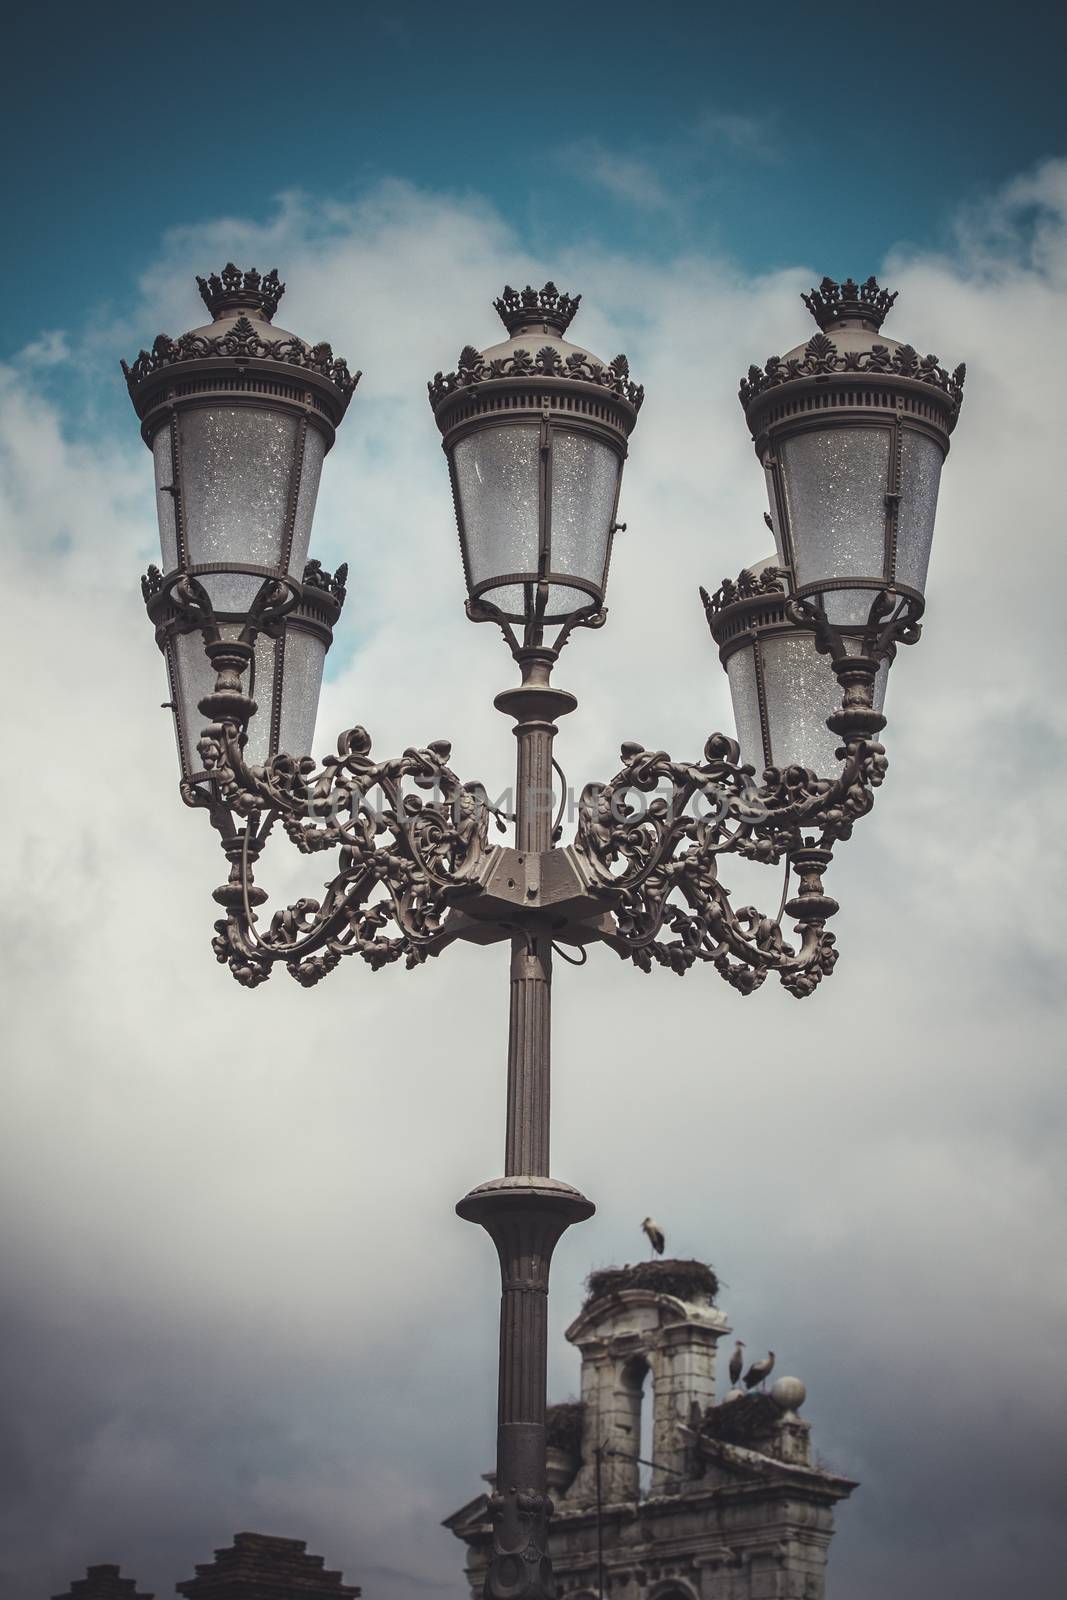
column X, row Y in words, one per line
column 851, row 430
column 535, row 430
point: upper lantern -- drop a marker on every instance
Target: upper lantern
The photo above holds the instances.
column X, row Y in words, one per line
column 852, row 430
column 239, row 416
column 535, row 430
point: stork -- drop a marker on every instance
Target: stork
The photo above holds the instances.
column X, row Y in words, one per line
column 759, row 1371
column 737, row 1361
column 655, row 1235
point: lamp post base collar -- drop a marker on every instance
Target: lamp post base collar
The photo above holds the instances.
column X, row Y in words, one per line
column 523, row 1191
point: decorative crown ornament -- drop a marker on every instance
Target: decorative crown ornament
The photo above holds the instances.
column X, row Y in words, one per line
column 234, row 290
column 865, row 304
column 520, row 307
column 849, row 302
column 749, row 585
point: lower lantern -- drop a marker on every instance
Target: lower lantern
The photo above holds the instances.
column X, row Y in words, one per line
column 783, row 689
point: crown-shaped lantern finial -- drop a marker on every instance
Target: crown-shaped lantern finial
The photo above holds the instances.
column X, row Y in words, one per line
column 833, row 303
column 530, row 308
column 234, row 290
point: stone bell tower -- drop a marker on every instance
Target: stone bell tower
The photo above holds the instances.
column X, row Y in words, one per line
column 662, row 1489
column 646, row 1333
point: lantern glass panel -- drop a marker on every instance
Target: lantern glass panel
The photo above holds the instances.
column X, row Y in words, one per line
column 585, row 479
column 835, row 483
column 305, row 654
column 236, row 468
column 497, row 474
column 741, row 671
column 261, row 688
column 193, row 678
column 164, row 467
column 921, row 463
column 307, row 494
column 801, row 692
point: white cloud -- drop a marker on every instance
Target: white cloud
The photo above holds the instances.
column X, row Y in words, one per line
column 237, row 1290
column 50, row 349
column 741, row 133
column 627, row 178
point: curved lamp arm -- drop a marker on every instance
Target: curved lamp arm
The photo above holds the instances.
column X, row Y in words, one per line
column 415, row 859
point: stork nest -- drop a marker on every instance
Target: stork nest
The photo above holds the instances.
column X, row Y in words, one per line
column 563, row 1426
column 686, row 1280
column 743, row 1421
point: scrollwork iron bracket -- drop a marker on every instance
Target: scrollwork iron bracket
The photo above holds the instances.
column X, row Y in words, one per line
column 416, row 869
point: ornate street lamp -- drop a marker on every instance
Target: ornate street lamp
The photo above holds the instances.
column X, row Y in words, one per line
column 852, row 433
column 536, row 439
column 852, row 430
column 239, row 416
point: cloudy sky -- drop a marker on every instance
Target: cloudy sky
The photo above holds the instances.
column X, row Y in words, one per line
column 234, row 1291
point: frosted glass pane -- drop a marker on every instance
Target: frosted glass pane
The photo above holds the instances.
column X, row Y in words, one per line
column 231, row 591
column 849, row 607
column 562, row 602
column 584, row 478
column 304, row 657
column 236, row 467
column 921, row 463
column 172, row 696
column 168, row 532
column 196, row 679
column 260, row 683
column 801, row 693
column 314, row 451
column 741, row 671
column 511, row 598
column 880, row 682
column 835, row 487
column 497, row 474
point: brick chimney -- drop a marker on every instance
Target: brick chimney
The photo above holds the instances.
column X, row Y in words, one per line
column 103, row 1583
column 260, row 1567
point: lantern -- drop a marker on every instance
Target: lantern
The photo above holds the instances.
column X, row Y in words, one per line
column 852, row 430
column 782, row 688
column 239, row 416
column 535, row 431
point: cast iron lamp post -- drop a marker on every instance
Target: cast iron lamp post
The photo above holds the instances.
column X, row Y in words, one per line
column 851, row 430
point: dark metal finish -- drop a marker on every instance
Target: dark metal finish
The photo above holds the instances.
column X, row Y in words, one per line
column 526, row 1212
column 233, row 290
column 520, row 309
column 416, row 870
column 832, row 304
